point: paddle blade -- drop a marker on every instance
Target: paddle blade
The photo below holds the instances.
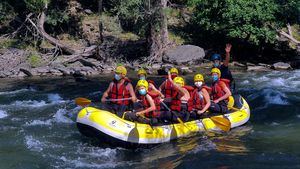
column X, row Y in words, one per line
column 82, row 101
column 221, row 122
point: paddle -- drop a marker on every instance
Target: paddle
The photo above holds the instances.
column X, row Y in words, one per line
column 178, row 119
column 221, row 122
column 84, row 102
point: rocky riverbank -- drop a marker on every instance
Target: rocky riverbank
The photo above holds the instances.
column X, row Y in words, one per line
column 188, row 58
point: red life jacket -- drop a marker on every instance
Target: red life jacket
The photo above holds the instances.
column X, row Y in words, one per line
column 197, row 100
column 217, row 90
column 227, row 82
column 120, row 93
column 155, row 97
column 168, row 89
column 176, row 102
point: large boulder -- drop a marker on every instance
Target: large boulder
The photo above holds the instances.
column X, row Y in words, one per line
column 281, row 66
column 184, row 54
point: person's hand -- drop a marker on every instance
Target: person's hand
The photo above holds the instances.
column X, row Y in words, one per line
column 228, row 48
column 200, row 112
column 140, row 113
column 103, row 100
column 216, row 101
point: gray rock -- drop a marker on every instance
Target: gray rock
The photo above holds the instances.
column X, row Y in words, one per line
column 22, row 74
column 88, row 11
column 281, row 66
column 257, row 68
column 184, row 54
column 64, row 71
column 186, row 70
column 250, row 64
column 156, row 66
column 265, row 65
column 43, row 70
column 239, row 64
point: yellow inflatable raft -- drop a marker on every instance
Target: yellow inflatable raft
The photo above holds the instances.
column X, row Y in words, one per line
column 109, row 128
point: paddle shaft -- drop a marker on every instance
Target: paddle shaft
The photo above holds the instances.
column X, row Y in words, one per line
column 114, row 100
column 180, row 121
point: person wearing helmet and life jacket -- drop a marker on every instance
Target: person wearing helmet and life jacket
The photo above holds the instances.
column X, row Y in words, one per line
column 220, row 93
column 167, row 88
column 119, row 94
column 226, row 75
column 142, row 74
column 180, row 98
column 200, row 99
column 148, row 106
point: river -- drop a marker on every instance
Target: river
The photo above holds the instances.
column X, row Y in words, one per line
column 38, row 129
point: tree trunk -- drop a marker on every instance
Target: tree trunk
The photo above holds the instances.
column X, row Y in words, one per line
column 100, row 9
column 164, row 23
column 53, row 41
column 158, row 29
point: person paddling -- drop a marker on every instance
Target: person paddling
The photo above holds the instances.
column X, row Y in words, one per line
column 223, row 66
column 167, row 88
column 119, row 94
column 220, row 93
column 142, row 74
column 147, row 108
column 200, row 99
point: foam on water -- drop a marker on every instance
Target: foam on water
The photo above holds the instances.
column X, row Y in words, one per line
column 29, row 103
column 274, row 97
column 55, row 98
column 39, row 122
column 58, row 117
column 3, row 114
column 16, row 91
column 34, row 144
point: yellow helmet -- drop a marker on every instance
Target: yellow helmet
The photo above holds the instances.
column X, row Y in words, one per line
column 216, row 70
column 179, row 80
column 174, row 70
column 198, row 77
column 121, row 70
column 143, row 83
column 142, row 72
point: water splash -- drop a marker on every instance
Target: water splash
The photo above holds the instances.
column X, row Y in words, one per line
column 3, row 114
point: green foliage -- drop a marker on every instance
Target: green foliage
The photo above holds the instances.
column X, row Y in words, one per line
column 36, row 5
column 34, row 59
column 251, row 20
column 56, row 17
column 7, row 14
column 129, row 9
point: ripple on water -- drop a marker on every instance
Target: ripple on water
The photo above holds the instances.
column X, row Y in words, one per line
column 14, row 92
column 3, row 114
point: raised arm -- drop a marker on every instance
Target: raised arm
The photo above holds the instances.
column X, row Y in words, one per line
column 227, row 58
column 181, row 90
